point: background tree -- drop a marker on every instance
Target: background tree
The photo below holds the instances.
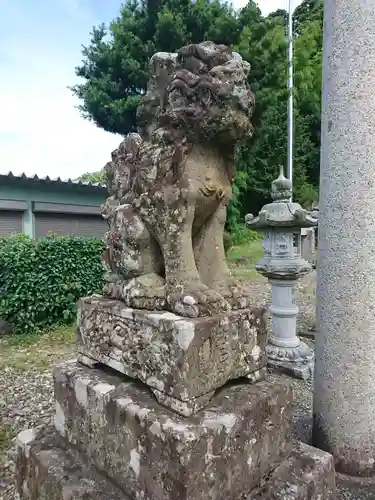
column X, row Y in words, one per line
column 308, row 19
column 115, row 63
column 93, row 177
column 309, row 11
column 115, row 71
column 265, row 46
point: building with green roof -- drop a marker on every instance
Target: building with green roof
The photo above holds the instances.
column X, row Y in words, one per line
column 39, row 206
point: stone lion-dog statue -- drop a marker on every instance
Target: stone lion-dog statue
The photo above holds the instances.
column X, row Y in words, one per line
column 170, row 185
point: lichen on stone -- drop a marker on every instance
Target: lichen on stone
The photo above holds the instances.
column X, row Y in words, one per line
column 170, row 185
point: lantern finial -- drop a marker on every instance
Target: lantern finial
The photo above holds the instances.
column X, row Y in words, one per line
column 281, row 189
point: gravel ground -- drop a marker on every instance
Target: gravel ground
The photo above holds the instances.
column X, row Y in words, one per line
column 26, row 395
column 26, row 401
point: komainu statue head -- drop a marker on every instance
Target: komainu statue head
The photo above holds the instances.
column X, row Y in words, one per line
column 201, row 92
column 171, row 183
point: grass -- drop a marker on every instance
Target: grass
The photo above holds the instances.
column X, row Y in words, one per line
column 23, row 352
column 242, row 260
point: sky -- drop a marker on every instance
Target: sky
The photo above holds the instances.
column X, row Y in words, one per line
column 41, row 131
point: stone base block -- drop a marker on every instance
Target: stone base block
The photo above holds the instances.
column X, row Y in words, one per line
column 46, row 471
column 360, row 488
column 303, row 371
column 152, row 453
column 183, row 360
column 308, row 474
column 297, row 361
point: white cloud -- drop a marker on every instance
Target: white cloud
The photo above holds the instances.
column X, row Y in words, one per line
column 48, row 136
column 41, row 131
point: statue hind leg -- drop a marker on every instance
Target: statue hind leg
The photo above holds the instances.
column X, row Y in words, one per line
column 133, row 262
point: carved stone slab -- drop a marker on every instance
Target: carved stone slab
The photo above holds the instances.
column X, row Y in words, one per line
column 151, row 453
column 182, row 360
column 47, row 470
column 308, row 474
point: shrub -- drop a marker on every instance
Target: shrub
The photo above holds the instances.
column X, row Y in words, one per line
column 6, row 240
column 42, row 280
column 242, row 234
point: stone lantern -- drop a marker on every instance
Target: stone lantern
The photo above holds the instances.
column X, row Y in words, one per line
column 282, row 222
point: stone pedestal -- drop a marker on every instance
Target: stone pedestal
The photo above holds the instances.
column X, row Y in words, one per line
column 182, row 360
column 344, row 395
column 111, row 440
column 151, row 452
column 46, row 470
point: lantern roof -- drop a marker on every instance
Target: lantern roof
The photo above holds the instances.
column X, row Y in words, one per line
column 282, row 212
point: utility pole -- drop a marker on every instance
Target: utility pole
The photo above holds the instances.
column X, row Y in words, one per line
column 290, row 93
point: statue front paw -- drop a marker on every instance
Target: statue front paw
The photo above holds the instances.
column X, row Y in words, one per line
column 195, row 299
column 235, row 292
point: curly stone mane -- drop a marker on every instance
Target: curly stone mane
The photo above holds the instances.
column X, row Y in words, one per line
column 200, row 90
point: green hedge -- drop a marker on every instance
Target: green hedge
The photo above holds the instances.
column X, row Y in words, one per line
column 42, row 280
column 242, row 235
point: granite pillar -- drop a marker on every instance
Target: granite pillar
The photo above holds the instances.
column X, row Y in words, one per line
column 344, row 394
